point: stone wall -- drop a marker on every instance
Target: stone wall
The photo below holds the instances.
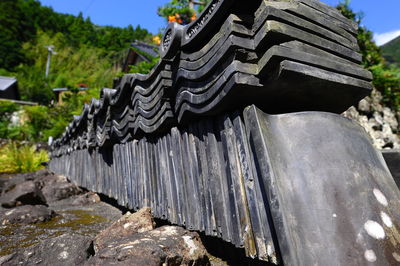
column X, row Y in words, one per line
column 379, row 121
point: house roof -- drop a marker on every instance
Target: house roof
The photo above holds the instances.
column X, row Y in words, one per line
column 146, row 48
column 6, row 82
column 60, row 89
column 66, row 89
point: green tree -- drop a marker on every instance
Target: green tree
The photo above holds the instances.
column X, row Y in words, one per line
column 87, row 53
column 70, row 67
column 386, row 78
column 14, row 30
column 21, row 20
column 371, row 53
column 7, row 109
column 182, row 11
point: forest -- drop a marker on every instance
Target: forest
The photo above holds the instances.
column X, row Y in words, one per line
column 86, row 52
column 87, row 55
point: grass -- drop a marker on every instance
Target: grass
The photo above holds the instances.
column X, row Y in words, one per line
column 16, row 158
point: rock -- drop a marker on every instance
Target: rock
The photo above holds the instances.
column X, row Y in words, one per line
column 82, row 214
column 364, row 105
column 26, row 193
column 352, row 113
column 386, row 130
column 10, row 183
column 55, row 191
column 86, row 221
column 56, row 187
column 6, row 258
column 26, row 214
column 14, row 179
column 378, row 139
column 49, row 178
column 372, row 123
column 167, row 245
column 3, row 182
column 80, row 201
column 378, row 118
column 40, row 173
column 127, row 225
column 376, row 101
column 72, row 249
column 390, row 118
column 85, row 199
column 380, row 122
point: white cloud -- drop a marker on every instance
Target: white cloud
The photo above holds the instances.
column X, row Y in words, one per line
column 382, row 38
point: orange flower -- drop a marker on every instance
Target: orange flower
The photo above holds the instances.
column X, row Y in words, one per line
column 193, row 17
column 156, row 40
column 171, row 19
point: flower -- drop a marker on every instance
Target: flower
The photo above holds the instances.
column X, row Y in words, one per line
column 157, row 40
column 171, row 19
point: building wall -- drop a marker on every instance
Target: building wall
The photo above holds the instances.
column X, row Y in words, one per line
column 11, row 93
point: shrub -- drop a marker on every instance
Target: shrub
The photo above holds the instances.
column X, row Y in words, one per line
column 387, row 80
column 386, row 77
column 16, row 158
column 144, row 67
column 38, row 120
column 7, row 109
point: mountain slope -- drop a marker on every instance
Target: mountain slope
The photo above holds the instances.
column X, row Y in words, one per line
column 86, row 53
column 21, row 20
column 391, row 51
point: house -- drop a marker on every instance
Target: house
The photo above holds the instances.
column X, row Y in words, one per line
column 139, row 52
column 9, row 88
column 61, row 92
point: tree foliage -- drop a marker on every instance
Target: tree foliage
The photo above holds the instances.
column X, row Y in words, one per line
column 386, row 77
column 7, row 109
column 69, row 67
column 38, row 123
column 391, row 51
column 182, row 11
column 144, row 67
column 86, row 53
column 21, row 20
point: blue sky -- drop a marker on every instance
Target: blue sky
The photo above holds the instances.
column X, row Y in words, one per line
column 382, row 17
